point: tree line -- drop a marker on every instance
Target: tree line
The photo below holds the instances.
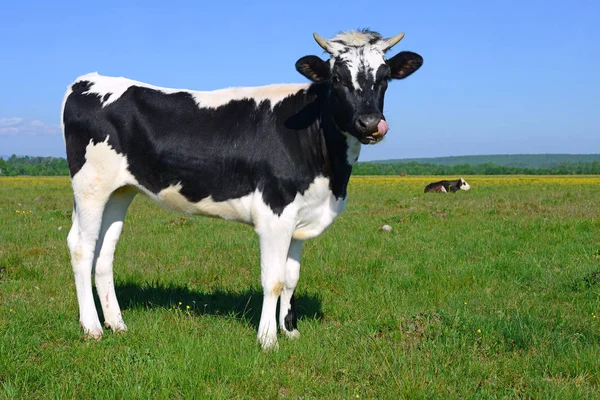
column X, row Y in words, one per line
column 415, row 168
column 34, row 166
column 511, row 160
column 56, row 166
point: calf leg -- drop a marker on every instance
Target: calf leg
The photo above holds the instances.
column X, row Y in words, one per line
column 87, row 219
column 287, row 309
column 112, row 224
column 274, row 245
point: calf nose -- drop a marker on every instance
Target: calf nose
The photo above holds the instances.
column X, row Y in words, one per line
column 367, row 124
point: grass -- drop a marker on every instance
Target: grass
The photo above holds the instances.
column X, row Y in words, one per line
column 482, row 294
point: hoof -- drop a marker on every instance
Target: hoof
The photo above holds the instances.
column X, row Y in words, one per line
column 118, row 326
column 268, row 344
column 88, row 334
column 94, row 332
column 293, row 335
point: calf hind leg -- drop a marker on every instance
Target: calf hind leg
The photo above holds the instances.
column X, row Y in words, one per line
column 288, row 321
column 112, row 224
column 87, row 219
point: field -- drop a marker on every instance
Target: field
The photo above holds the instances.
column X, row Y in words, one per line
column 482, row 294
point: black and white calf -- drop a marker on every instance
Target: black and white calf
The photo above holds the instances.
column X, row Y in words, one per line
column 276, row 157
column 447, row 186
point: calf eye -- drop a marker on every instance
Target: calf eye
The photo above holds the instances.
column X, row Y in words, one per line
column 335, row 79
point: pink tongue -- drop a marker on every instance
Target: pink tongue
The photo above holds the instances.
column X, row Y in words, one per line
column 382, row 127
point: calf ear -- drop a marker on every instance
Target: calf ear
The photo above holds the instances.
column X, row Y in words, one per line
column 313, row 68
column 404, row 63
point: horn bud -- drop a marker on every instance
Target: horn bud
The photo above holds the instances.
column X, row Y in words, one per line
column 324, row 43
column 391, row 42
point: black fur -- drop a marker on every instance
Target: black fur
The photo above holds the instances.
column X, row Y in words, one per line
column 291, row 320
column 313, row 68
column 404, row 64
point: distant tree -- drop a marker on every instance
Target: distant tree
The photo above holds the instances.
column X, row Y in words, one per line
column 34, row 166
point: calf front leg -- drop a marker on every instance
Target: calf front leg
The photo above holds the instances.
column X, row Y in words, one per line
column 274, row 245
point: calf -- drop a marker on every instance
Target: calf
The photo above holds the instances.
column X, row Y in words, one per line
column 447, row 186
column 276, row 157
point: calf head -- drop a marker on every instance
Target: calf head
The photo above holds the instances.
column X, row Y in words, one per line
column 357, row 75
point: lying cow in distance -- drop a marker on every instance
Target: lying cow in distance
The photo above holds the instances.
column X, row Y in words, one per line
column 276, row 157
column 447, row 186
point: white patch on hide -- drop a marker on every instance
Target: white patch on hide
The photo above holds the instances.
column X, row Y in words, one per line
column 116, row 86
column 273, row 93
column 367, row 58
column 234, row 209
column 353, row 150
column 316, row 209
column 104, row 171
column 355, row 38
column 465, row 185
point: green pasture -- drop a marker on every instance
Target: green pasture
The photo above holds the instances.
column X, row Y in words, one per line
column 491, row 293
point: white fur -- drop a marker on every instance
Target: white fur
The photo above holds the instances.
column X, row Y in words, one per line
column 342, row 40
column 110, row 231
column 62, row 110
column 354, row 147
column 272, row 93
column 360, row 55
column 104, row 171
column 234, row 209
column 368, row 57
column 116, row 86
column 465, row 185
column 316, row 209
column 354, row 38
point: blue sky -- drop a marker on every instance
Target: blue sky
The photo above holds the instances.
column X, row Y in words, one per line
column 499, row 77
